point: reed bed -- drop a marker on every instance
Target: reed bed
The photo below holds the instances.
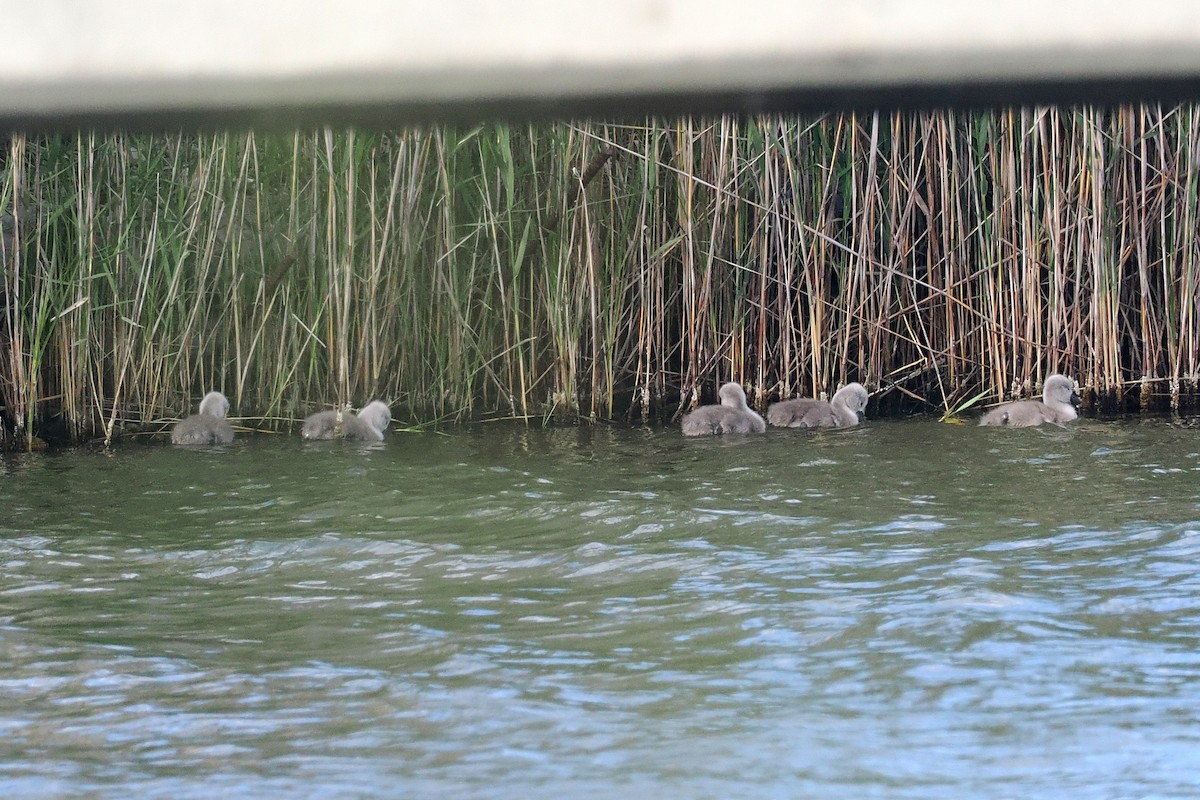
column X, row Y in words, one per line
column 595, row 270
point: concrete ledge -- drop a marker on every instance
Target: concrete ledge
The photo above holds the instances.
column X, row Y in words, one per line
column 156, row 64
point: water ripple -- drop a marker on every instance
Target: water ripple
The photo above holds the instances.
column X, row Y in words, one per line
column 913, row 610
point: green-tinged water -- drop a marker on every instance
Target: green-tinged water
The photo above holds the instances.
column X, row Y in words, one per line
column 904, row 610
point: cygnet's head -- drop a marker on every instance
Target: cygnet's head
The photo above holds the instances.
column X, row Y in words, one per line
column 853, row 396
column 377, row 415
column 214, row 404
column 732, row 395
column 1060, row 389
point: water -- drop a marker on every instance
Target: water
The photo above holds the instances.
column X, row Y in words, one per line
column 905, row 610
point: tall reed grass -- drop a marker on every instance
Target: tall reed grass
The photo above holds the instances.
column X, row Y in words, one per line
column 584, row 270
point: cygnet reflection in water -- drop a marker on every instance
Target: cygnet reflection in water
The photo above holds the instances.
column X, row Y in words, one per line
column 731, row 416
column 207, row 427
column 368, row 425
column 1059, row 398
column 844, row 411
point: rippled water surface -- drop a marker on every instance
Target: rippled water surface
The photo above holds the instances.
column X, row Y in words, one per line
column 905, row 610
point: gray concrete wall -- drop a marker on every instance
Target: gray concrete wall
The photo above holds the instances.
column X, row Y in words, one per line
column 165, row 63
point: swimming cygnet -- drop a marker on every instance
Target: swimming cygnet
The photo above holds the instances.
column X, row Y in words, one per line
column 844, row 411
column 731, row 416
column 1058, row 402
column 207, row 427
column 368, row 425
